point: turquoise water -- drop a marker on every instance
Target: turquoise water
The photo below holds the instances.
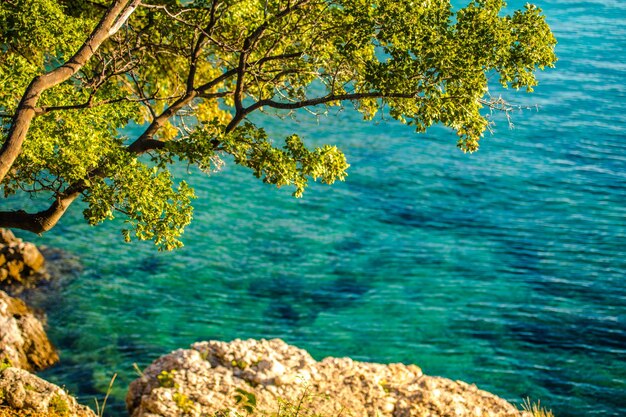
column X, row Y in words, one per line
column 505, row 268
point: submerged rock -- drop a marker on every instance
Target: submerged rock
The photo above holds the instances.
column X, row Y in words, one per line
column 219, row 377
column 25, row 394
column 23, row 341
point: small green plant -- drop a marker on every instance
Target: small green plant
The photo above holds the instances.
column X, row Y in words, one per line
column 166, row 379
column 240, row 364
column 59, row 405
column 536, row 409
column 100, row 409
column 300, row 408
column 384, row 385
column 183, row 402
column 246, row 400
column 306, row 405
column 6, row 363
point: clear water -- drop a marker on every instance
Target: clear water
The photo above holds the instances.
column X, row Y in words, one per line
column 506, row 268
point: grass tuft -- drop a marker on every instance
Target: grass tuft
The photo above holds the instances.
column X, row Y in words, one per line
column 536, row 409
column 99, row 408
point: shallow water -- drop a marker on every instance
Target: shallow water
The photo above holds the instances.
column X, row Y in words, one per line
column 505, row 268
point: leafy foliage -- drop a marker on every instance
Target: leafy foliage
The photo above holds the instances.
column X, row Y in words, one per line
column 189, row 73
column 245, row 400
column 166, row 379
column 5, row 363
column 59, row 406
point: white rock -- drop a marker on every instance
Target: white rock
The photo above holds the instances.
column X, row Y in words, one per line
column 216, row 370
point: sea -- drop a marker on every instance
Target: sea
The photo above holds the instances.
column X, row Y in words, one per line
column 505, row 268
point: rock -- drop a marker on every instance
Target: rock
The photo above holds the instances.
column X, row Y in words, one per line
column 22, row 265
column 33, row 259
column 24, row 394
column 7, row 237
column 36, row 275
column 23, row 341
column 204, row 380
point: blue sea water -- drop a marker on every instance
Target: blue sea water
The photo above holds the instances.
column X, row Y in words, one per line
column 505, row 268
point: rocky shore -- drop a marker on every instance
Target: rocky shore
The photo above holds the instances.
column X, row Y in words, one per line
column 23, row 341
column 24, row 394
column 218, row 379
column 24, row 345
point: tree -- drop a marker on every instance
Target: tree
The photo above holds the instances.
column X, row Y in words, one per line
column 75, row 73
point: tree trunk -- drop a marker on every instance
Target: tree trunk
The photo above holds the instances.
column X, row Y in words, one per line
column 110, row 23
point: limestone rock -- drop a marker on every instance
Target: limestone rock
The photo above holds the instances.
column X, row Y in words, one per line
column 23, row 341
column 22, row 265
column 21, row 391
column 204, row 380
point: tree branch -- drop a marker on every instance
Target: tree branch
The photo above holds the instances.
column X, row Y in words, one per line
column 139, row 144
column 42, row 221
column 312, row 102
column 115, row 17
column 249, row 43
column 39, row 111
column 326, row 99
